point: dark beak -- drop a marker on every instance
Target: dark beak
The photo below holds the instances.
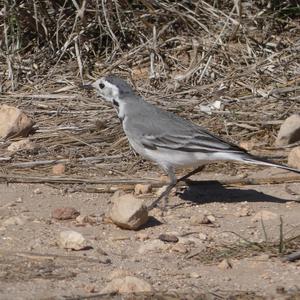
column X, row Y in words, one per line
column 86, row 86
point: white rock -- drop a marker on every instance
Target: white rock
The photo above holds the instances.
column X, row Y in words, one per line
column 128, row 284
column 24, row 144
column 129, row 212
column 71, row 240
column 153, row 246
column 13, row 122
column 289, row 131
column 264, row 215
column 14, row 221
column 294, row 158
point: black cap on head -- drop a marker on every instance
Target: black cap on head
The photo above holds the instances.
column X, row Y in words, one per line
column 122, row 85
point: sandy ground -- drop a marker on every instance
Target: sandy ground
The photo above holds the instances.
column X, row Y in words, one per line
column 33, row 266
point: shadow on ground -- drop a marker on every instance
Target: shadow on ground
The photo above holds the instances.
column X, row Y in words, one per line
column 207, row 192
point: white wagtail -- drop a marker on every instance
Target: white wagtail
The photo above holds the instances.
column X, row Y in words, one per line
column 166, row 138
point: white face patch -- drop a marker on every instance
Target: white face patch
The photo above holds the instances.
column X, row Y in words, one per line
column 105, row 89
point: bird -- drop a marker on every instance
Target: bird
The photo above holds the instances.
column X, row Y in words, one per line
column 167, row 139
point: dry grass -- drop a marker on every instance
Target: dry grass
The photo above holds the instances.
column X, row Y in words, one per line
column 177, row 54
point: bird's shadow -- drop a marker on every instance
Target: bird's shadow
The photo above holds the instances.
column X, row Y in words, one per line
column 213, row 191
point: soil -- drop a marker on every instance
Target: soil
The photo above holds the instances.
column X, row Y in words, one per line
column 233, row 256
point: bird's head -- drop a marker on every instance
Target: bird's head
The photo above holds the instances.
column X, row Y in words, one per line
column 111, row 88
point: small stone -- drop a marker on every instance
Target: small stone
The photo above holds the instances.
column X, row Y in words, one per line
column 247, row 145
column 211, row 218
column 25, row 144
column 195, row 275
column 83, row 220
column 202, row 236
column 169, row 238
column 71, row 240
column 294, row 158
column 58, row 169
column 14, row 122
column 289, row 131
column 129, row 212
column 181, row 248
column 128, row 284
column 243, row 212
column 65, row 213
column 118, row 273
column 264, row 215
column 153, row 246
column 19, row 200
column 225, row 264
column 142, row 236
column 37, row 191
column 202, row 219
column 141, row 189
column 14, row 221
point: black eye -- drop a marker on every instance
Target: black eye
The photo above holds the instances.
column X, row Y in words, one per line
column 101, row 85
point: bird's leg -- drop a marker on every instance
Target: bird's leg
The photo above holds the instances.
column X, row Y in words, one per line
column 165, row 194
column 173, row 181
column 185, row 177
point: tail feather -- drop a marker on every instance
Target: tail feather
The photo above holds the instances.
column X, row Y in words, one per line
column 264, row 162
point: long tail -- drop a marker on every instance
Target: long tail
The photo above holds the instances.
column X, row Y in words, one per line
column 251, row 159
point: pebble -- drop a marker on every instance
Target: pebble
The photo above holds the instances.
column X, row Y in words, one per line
column 72, row 240
column 83, row 220
column 127, row 284
column 19, row 200
column 247, row 145
column 24, row 144
column 58, row 169
column 64, row 213
column 153, row 246
column 289, row 131
column 243, row 212
column 202, row 236
column 179, row 247
column 141, row 189
column 37, row 191
column 202, row 219
column 169, row 238
column 129, row 212
column 195, row 275
column 141, row 236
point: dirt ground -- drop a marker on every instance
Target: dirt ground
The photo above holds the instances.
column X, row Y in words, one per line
column 213, row 261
